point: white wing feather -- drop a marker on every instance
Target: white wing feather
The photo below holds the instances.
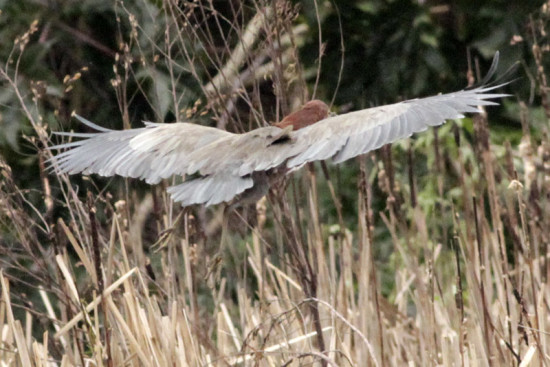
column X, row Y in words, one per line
column 349, row 135
column 151, row 153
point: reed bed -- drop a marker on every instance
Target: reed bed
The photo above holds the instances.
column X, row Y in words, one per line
column 431, row 252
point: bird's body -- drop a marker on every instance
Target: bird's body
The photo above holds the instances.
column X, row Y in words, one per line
column 232, row 164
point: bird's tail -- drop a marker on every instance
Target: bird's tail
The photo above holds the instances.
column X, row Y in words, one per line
column 210, row 190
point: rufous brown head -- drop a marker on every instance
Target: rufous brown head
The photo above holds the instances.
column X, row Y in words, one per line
column 309, row 114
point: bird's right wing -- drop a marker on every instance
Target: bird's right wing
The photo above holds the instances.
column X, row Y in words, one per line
column 151, row 153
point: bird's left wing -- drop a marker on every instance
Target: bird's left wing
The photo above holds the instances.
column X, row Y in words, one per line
column 346, row 136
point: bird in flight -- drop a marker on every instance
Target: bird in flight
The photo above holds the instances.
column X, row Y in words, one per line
column 225, row 167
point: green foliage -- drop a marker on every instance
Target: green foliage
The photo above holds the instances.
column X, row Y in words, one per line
column 400, row 49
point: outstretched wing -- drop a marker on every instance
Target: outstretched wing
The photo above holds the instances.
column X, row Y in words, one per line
column 349, row 135
column 152, row 153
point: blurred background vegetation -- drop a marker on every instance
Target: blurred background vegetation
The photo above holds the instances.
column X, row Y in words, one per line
column 119, row 63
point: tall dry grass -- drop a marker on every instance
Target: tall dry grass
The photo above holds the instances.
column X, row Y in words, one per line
column 97, row 279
